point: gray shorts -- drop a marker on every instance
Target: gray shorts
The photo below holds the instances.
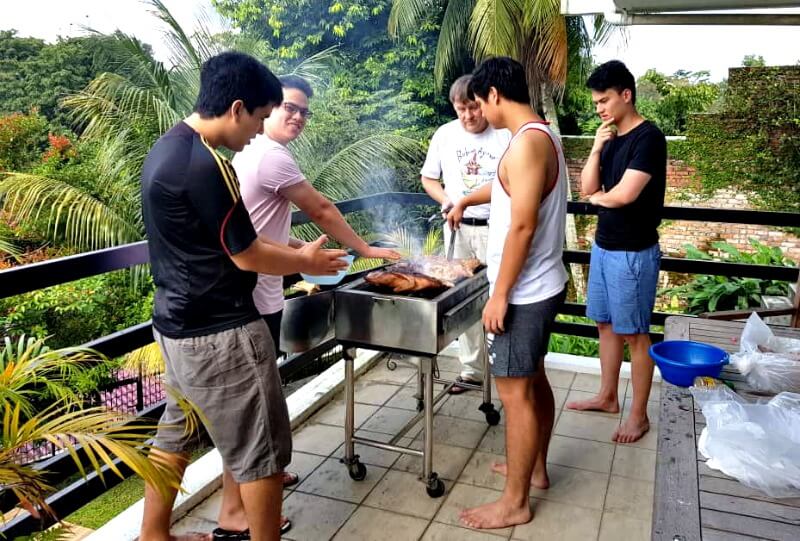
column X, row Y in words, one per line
column 232, row 377
column 519, row 350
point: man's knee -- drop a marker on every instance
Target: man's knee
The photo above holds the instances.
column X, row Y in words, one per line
column 515, row 389
column 637, row 340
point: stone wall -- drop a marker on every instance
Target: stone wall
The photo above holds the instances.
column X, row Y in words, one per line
column 682, row 190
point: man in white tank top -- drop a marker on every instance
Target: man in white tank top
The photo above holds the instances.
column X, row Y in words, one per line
column 527, row 280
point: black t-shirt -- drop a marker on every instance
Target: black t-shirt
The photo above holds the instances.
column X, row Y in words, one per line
column 634, row 226
column 195, row 219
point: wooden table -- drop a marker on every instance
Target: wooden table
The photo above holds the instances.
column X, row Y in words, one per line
column 692, row 501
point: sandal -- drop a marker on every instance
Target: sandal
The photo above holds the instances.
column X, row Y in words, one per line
column 221, row 534
column 290, row 478
column 457, row 389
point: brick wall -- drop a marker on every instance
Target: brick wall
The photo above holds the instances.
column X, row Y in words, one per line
column 682, row 191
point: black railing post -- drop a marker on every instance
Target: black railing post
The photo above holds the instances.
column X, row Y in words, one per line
column 139, row 391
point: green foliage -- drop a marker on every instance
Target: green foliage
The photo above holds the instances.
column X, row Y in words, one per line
column 575, row 345
column 22, row 139
column 668, row 100
column 77, row 312
column 34, row 74
column 753, row 61
column 714, row 293
column 754, row 142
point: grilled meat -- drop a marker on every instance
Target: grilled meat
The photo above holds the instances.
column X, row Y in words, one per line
column 423, row 273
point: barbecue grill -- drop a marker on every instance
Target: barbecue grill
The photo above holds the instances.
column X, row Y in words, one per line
column 419, row 324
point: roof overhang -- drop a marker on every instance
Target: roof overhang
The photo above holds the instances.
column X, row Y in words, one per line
column 629, row 12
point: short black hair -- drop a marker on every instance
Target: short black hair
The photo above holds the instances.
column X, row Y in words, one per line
column 232, row 76
column 612, row 74
column 505, row 74
column 297, row 82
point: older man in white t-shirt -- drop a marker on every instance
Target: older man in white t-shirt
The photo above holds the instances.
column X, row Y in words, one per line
column 462, row 157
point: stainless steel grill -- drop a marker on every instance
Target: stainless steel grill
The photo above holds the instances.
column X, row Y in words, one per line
column 419, row 324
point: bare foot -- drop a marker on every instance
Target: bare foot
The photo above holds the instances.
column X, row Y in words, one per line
column 538, row 480
column 595, row 404
column 496, row 515
column 631, row 430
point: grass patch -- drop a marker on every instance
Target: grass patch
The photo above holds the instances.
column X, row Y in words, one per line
column 113, row 502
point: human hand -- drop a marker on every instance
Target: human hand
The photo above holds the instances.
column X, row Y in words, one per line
column 381, row 253
column 321, row 261
column 446, row 206
column 494, row 315
column 604, row 134
column 454, row 216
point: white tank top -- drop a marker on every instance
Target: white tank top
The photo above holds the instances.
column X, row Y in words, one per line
column 543, row 275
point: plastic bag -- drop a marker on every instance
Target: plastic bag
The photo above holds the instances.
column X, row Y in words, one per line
column 770, row 363
column 756, row 443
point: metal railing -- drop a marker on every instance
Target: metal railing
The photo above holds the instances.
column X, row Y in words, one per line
column 36, row 276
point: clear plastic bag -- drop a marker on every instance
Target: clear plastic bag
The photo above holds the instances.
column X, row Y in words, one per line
column 756, row 443
column 770, row 363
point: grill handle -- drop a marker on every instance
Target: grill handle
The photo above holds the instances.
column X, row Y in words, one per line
column 378, row 298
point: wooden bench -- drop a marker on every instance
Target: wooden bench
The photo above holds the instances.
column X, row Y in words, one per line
column 692, row 501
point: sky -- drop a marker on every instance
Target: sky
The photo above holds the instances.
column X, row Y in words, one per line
column 666, row 48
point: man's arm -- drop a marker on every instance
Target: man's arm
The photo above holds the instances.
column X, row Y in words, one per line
column 590, row 175
column 273, row 258
column 624, row 193
column 325, row 214
column 435, row 189
column 526, row 168
column 480, row 196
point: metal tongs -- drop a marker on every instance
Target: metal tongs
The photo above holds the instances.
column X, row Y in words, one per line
column 452, row 246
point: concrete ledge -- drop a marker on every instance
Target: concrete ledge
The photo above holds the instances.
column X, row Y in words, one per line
column 586, row 365
column 204, row 476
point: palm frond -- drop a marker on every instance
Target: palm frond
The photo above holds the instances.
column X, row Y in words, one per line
column 181, row 47
column 495, row 28
column 148, row 359
column 365, row 263
column 450, row 46
column 70, row 212
column 406, row 15
column 316, row 68
column 344, row 175
column 8, row 247
column 411, row 244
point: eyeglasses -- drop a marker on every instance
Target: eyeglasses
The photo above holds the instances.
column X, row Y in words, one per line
column 292, row 109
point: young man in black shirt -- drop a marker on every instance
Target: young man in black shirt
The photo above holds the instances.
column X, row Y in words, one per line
column 625, row 176
column 205, row 256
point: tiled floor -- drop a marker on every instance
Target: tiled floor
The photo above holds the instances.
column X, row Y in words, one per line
column 599, row 490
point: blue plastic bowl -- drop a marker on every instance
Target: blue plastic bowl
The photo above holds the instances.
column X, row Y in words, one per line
column 680, row 361
column 331, row 280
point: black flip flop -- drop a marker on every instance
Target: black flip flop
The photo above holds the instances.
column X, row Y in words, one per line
column 221, row 534
column 457, row 389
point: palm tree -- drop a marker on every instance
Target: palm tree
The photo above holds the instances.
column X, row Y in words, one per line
column 29, row 371
column 125, row 113
column 531, row 31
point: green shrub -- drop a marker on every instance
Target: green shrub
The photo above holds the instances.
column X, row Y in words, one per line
column 712, row 293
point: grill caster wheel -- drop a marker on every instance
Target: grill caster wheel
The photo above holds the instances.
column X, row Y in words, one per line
column 420, row 405
column 492, row 417
column 357, row 471
column 435, row 487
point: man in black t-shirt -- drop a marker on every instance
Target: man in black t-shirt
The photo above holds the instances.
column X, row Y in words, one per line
column 204, row 255
column 625, row 176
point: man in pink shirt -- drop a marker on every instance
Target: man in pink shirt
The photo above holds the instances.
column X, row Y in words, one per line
column 271, row 182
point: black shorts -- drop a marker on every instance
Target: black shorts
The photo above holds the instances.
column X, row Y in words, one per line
column 519, row 350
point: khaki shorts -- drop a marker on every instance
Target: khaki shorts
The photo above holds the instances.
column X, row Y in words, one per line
column 232, row 377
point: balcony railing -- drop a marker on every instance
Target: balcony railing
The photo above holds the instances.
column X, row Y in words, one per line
column 36, row 276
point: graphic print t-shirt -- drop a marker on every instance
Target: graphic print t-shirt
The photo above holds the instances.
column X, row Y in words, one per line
column 465, row 161
column 195, row 220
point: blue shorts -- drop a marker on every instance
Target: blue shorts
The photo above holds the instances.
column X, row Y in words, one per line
column 622, row 288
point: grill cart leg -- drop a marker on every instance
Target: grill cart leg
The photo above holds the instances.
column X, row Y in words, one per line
column 420, row 393
column 434, row 485
column 355, row 468
column 492, row 415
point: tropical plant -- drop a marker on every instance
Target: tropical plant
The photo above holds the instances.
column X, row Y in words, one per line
column 531, row 31
column 711, row 293
column 27, row 367
column 124, row 112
